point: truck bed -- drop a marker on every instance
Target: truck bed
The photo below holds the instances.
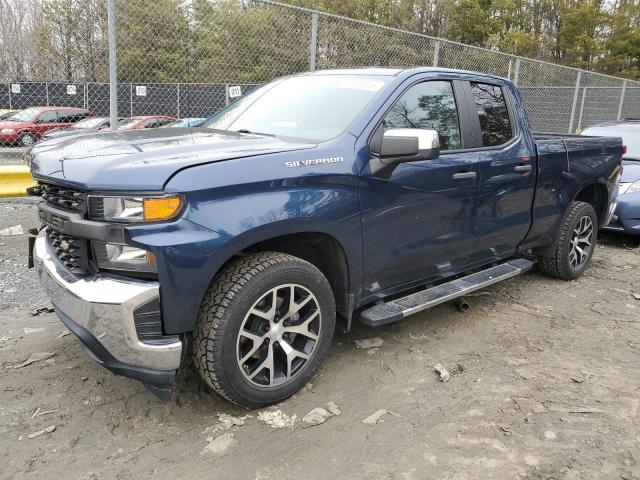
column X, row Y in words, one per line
column 566, row 165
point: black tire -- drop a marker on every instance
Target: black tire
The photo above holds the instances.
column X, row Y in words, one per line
column 225, row 309
column 560, row 264
column 27, row 139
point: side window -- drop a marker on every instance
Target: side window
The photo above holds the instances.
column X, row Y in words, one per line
column 48, row 116
column 68, row 116
column 493, row 113
column 79, row 115
column 153, row 123
column 164, row 121
column 429, row 105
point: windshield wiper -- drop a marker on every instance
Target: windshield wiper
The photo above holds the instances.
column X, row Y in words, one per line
column 244, row 130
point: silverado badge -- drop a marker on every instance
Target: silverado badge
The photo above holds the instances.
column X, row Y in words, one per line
column 316, row 161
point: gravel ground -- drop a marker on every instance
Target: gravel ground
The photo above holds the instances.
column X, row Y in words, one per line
column 545, row 384
column 18, row 287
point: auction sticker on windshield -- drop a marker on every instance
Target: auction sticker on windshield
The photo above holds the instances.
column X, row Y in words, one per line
column 357, row 84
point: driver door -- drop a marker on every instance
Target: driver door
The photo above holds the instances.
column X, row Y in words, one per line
column 46, row 121
column 418, row 224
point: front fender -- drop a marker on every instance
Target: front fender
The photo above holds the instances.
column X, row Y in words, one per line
column 218, row 224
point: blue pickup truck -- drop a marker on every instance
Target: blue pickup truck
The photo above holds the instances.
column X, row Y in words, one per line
column 316, row 200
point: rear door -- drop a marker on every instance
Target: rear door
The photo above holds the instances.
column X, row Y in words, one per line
column 507, row 169
column 68, row 116
column 418, row 223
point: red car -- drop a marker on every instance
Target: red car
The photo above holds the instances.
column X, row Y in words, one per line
column 143, row 121
column 27, row 126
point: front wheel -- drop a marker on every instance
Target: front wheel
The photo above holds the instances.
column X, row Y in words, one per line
column 27, row 139
column 264, row 327
column 575, row 244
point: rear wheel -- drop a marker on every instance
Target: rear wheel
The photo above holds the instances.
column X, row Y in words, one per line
column 264, row 328
column 575, row 244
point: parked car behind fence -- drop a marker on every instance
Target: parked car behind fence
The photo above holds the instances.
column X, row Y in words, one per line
column 4, row 114
column 185, row 123
column 26, row 127
column 88, row 125
column 144, row 121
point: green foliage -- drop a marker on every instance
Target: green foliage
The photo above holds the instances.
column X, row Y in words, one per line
column 234, row 43
column 244, row 41
column 599, row 35
column 68, row 39
column 152, row 41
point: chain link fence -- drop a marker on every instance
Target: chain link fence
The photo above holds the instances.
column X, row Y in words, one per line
column 188, row 58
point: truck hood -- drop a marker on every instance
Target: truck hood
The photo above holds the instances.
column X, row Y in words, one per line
column 142, row 159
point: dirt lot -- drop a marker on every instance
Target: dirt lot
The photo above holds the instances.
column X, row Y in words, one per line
column 545, row 385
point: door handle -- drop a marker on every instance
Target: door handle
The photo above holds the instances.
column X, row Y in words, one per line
column 464, row 175
column 523, row 168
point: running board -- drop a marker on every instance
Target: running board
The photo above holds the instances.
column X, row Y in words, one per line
column 396, row 310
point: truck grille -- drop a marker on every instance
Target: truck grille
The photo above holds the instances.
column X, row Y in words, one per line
column 64, row 198
column 71, row 252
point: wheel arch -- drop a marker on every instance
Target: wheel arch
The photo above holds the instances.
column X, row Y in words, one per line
column 597, row 195
column 322, row 250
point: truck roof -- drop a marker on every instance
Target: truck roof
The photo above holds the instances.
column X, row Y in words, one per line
column 395, row 72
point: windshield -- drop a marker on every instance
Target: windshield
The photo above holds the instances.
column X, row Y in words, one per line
column 630, row 137
column 26, row 115
column 89, row 123
column 316, row 108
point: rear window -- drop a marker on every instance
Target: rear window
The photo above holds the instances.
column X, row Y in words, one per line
column 493, row 114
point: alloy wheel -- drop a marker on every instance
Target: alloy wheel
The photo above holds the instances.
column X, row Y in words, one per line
column 278, row 335
column 581, row 242
column 27, row 140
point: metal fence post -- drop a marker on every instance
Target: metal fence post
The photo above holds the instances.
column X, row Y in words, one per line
column 575, row 102
column 178, row 102
column 584, row 95
column 113, row 77
column 516, row 72
column 131, row 99
column 10, row 104
column 510, row 67
column 226, row 94
column 436, row 53
column 46, row 91
column 624, row 88
column 313, row 44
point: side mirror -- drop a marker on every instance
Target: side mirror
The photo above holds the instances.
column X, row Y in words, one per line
column 398, row 145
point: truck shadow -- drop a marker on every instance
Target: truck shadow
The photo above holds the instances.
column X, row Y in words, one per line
column 619, row 240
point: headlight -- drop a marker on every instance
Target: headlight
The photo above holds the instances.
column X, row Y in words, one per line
column 7, row 130
column 112, row 256
column 134, row 209
column 634, row 187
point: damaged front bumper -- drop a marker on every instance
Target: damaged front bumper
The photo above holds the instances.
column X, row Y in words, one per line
column 100, row 309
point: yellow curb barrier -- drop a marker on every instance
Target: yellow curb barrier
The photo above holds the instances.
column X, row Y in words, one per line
column 14, row 180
